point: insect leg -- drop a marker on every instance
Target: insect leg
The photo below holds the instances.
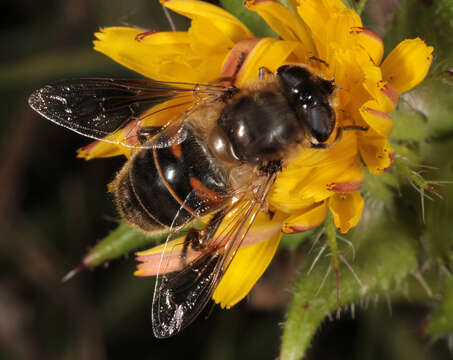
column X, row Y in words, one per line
column 145, row 132
column 320, row 145
column 314, row 58
column 262, row 72
column 338, row 137
column 354, row 127
column 229, row 80
column 197, row 239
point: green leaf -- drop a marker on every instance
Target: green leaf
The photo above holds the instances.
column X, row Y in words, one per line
column 383, row 262
column 122, row 241
column 357, row 5
column 438, row 235
column 410, row 124
column 423, row 133
column 430, row 20
column 119, row 242
column 437, row 99
column 441, row 322
column 252, row 20
column 292, row 241
column 379, row 188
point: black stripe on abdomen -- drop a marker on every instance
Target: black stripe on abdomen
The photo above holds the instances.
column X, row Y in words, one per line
column 152, row 192
column 177, row 183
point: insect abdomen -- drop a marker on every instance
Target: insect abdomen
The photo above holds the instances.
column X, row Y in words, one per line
column 169, row 186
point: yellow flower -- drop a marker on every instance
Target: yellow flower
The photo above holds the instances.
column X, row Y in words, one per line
column 330, row 38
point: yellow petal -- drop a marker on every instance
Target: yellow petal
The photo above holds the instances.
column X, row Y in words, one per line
column 168, row 256
column 265, row 225
column 380, row 121
column 206, row 39
column 170, row 110
column 100, row 149
column 159, row 115
column 270, row 53
column 346, row 209
column 339, row 28
column 173, row 245
column 390, row 95
column 342, row 151
column 170, row 39
column 111, row 146
column 350, row 180
column 297, row 190
column 306, row 220
column 282, row 198
column 312, row 11
column 330, row 22
column 353, row 70
column 282, row 20
column 372, row 77
column 309, row 178
column 229, row 25
column 234, row 61
column 244, row 271
column 384, row 94
column 163, row 56
column 407, row 64
column 163, row 258
column 370, row 42
column 322, row 181
column 376, row 152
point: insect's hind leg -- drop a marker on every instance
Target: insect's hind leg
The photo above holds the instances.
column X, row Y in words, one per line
column 146, row 132
column 197, row 239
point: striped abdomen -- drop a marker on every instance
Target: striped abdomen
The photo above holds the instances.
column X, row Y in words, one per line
column 169, row 186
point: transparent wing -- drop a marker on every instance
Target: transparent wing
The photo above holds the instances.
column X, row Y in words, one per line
column 180, row 296
column 96, row 107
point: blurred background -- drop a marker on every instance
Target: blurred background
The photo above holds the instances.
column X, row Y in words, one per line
column 54, row 207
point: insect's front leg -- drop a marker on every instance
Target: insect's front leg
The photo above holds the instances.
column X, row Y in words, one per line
column 317, row 59
column 319, row 146
column 338, row 136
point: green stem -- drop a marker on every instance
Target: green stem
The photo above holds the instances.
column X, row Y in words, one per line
column 382, row 263
column 360, row 6
column 331, row 232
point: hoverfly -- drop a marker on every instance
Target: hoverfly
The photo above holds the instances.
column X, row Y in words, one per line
column 222, row 153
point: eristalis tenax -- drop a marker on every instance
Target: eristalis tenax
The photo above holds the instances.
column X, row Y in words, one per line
column 222, row 153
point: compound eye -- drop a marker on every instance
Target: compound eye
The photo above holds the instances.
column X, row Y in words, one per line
column 307, row 101
column 304, row 98
column 321, row 122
